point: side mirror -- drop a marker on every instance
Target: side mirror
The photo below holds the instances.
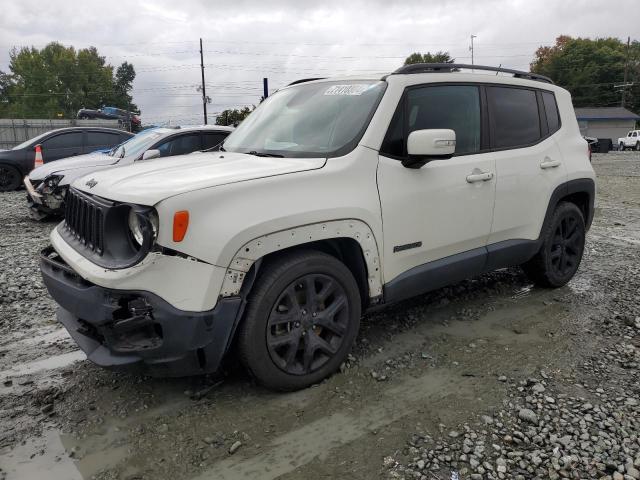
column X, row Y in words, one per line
column 150, row 154
column 431, row 144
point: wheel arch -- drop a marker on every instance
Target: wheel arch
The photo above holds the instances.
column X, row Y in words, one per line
column 581, row 192
column 350, row 241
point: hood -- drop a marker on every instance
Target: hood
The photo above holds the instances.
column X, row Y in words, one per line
column 148, row 182
column 72, row 163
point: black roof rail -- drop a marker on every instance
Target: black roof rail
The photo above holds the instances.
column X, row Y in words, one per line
column 303, row 80
column 454, row 67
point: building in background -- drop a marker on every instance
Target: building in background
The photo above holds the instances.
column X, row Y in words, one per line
column 606, row 123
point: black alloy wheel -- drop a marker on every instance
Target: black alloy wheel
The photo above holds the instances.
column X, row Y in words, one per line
column 567, row 245
column 560, row 254
column 9, row 178
column 307, row 324
column 301, row 319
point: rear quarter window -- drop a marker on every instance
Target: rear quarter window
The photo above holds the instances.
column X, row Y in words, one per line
column 551, row 111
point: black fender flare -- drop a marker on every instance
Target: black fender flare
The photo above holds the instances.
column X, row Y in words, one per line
column 578, row 185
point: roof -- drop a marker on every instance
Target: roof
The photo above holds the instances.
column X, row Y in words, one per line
column 87, row 128
column 605, row 113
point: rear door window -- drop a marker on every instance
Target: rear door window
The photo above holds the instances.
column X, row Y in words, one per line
column 100, row 140
column 62, row 145
column 514, row 117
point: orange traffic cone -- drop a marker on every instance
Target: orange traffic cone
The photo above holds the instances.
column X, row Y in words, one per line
column 38, row 161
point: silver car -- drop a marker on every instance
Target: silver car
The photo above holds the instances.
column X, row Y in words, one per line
column 47, row 185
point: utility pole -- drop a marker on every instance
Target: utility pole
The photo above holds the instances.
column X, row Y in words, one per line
column 626, row 72
column 204, row 92
column 471, row 48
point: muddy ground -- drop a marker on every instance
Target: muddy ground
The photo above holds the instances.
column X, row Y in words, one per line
column 430, row 381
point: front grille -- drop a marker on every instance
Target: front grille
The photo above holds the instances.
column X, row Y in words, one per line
column 84, row 219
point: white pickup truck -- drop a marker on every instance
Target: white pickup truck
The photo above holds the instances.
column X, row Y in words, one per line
column 632, row 140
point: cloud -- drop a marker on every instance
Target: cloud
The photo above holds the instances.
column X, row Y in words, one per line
column 283, row 40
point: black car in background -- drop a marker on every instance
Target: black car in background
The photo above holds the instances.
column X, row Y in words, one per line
column 112, row 113
column 55, row 144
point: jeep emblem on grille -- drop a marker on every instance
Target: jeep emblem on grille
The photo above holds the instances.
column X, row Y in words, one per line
column 91, row 183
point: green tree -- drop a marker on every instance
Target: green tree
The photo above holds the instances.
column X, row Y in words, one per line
column 125, row 74
column 438, row 57
column 590, row 69
column 232, row 117
column 57, row 81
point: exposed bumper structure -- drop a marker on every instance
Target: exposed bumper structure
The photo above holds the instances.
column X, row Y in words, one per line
column 43, row 204
column 138, row 330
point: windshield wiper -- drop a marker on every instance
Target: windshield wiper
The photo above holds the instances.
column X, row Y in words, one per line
column 264, row 154
column 122, row 154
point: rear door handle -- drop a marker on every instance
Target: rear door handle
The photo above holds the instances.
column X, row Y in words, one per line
column 548, row 163
column 479, row 177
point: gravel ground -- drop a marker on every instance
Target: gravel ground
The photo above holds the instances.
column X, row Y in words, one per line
column 490, row 378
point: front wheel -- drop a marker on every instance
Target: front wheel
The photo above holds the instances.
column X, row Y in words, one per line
column 301, row 320
column 559, row 257
column 9, row 178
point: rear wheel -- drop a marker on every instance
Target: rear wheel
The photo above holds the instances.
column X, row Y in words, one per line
column 638, row 147
column 621, row 147
column 9, row 178
column 302, row 318
column 559, row 257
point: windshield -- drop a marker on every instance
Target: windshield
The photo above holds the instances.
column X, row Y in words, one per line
column 138, row 144
column 33, row 140
column 309, row 119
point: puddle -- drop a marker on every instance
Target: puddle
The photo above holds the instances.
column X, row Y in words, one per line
column 44, row 457
column 50, row 363
column 317, row 439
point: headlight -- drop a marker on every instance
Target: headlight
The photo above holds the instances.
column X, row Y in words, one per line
column 51, row 182
column 136, row 225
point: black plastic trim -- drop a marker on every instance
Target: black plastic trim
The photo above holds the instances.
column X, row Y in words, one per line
column 436, row 274
column 452, row 67
column 89, row 313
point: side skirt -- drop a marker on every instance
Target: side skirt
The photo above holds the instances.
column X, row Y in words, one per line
column 446, row 271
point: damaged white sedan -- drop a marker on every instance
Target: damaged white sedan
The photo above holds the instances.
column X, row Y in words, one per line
column 47, row 185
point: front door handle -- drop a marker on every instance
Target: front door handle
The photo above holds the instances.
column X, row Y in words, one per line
column 479, row 177
column 548, row 163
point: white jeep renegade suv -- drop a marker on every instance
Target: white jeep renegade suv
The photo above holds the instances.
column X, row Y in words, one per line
column 334, row 196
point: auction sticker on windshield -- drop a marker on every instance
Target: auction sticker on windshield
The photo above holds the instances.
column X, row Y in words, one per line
column 353, row 89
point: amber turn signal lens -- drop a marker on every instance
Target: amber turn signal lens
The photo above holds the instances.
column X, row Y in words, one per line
column 180, row 225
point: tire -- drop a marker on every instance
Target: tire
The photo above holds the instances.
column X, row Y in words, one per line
column 291, row 338
column 9, row 178
column 559, row 257
column 638, row 147
column 621, row 147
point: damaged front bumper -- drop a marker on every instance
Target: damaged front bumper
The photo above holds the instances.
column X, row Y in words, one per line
column 44, row 202
column 137, row 330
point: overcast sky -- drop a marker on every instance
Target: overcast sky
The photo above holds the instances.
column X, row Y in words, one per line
column 246, row 40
